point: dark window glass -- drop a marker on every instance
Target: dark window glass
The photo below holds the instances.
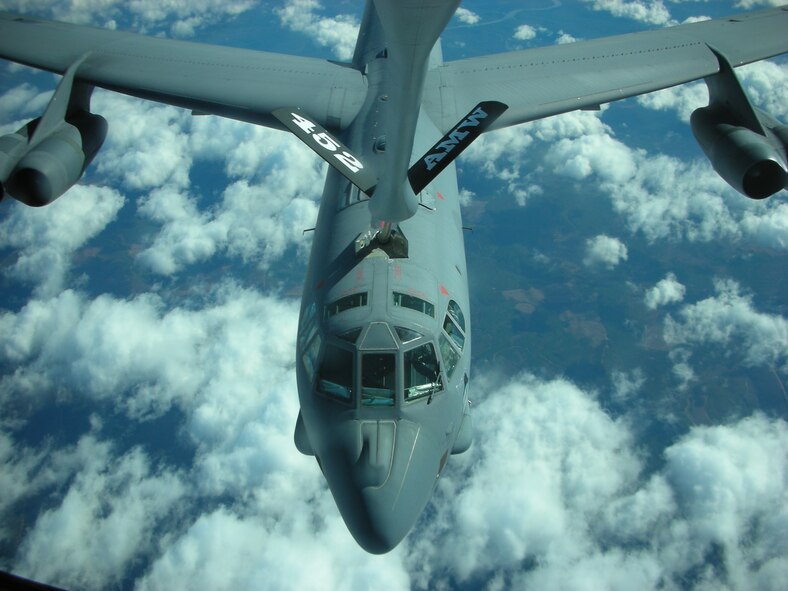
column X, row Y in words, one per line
column 346, row 303
column 351, row 336
column 408, row 301
column 422, row 376
column 308, row 325
column 310, row 356
column 450, row 356
column 456, row 314
column 378, row 372
column 454, row 332
column 335, row 377
column 406, row 335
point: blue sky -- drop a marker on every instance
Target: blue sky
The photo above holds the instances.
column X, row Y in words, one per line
column 631, row 346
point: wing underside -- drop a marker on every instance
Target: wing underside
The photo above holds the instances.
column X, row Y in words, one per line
column 236, row 83
column 538, row 83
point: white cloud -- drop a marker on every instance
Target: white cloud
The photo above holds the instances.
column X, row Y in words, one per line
column 627, row 384
column 256, row 222
column 223, row 550
column 730, row 317
column 228, row 367
column 564, row 38
column 545, row 460
column 46, row 238
column 768, row 227
column 552, row 495
column 604, row 251
column 467, row 16
column 683, row 99
column 666, row 291
column 653, row 13
column 525, row 33
column 598, row 154
column 729, row 482
column 147, row 143
column 766, row 84
column 109, row 511
column 660, row 196
column 24, row 99
column 182, row 18
column 747, row 4
column 143, row 357
column 338, row 32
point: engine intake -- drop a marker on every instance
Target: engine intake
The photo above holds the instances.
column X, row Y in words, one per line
column 747, row 160
column 54, row 164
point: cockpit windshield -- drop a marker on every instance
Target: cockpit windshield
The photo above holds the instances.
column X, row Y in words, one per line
column 378, row 374
column 335, row 377
column 422, row 375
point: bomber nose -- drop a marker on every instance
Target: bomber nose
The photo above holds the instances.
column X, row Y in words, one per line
column 384, row 480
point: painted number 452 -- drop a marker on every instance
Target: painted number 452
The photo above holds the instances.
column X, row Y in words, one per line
column 324, row 140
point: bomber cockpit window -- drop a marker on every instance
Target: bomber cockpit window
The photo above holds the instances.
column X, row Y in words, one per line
column 449, row 354
column 454, row 324
column 378, row 371
column 352, row 301
column 310, row 355
column 350, row 336
column 335, row 377
column 408, row 301
column 406, row 335
column 456, row 314
column 422, row 376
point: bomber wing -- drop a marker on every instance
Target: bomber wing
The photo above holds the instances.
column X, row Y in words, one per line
column 538, row 83
column 237, row 83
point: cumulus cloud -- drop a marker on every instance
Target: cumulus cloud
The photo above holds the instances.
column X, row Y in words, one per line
column 108, row 513
column 102, row 348
column 766, row 84
column 225, row 361
column 666, row 291
column 754, row 3
column 528, row 486
column 729, row 317
column 525, row 33
column 467, row 16
column 182, row 18
column 24, row 99
column 147, row 144
column 627, row 384
column 254, row 221
column 660, row 196
column 339, row 32
column 553, row 495
column 604, row 251
column 45, row 239
column 653, row 13
column 564, row 38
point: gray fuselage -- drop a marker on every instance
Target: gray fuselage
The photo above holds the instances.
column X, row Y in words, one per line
column 383, row 353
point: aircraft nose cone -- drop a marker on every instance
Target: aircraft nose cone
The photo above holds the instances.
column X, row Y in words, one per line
column 379, row 528
column 382, row 483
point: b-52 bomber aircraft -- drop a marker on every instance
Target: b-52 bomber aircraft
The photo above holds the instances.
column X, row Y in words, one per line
column 384, row 335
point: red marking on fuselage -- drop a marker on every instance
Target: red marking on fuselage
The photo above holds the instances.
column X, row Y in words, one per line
column 444, row 291
column 397, row 272
column 320, row 284
column 440, row 196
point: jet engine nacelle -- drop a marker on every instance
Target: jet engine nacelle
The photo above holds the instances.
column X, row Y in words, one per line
column 748, row 161
column 56, row 162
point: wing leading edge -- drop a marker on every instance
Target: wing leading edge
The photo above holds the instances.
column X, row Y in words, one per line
column 541, row 82
column 236, row 83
